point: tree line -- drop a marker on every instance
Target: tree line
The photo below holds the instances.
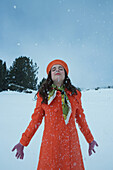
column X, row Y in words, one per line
column 21, row 76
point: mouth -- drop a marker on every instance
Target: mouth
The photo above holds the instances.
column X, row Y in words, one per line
column 57, row 74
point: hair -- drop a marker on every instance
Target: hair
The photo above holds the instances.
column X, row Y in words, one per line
column 47, row 86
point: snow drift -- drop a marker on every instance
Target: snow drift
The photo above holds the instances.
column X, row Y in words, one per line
column 15, row 113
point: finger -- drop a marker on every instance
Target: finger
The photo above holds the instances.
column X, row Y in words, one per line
column 94, row 151
column 21, row 157
column 13, row 149
column 96, row 144
column 18, row 156
column 90, row 152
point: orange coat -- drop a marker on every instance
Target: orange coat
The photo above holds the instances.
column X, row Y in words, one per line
column 60, row 148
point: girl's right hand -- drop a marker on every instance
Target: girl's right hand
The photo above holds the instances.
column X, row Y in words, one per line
column 20, row 148
column 91, row 147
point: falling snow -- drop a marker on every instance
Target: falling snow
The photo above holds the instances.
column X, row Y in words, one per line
column 14, row 6
column 68, row 10
column 36, row 44
column 18, row 44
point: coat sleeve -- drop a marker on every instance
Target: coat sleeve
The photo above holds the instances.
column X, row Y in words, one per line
column 35, row 122
column 81, row 120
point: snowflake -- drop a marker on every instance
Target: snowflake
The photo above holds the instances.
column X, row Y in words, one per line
column 77, row 20
column 68, row 10
column 36, row 44
column 18, row 44
column 14, row 6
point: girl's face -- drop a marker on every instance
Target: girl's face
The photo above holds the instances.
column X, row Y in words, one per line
column 57, row 74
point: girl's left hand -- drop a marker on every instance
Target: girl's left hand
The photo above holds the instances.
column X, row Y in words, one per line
column 91, row 147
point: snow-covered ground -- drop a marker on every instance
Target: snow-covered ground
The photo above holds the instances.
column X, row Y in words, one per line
column 15, row 114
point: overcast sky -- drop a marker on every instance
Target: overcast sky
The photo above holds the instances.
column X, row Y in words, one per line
column 78, row 31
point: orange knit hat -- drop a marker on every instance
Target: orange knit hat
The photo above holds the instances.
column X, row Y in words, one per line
column 61, row 62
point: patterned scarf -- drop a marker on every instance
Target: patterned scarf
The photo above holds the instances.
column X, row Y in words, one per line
column 65, row 101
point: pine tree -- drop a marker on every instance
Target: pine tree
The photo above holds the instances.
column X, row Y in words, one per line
column 3, row 76
column 23, row 73
column 40, row 83
column 5, row 80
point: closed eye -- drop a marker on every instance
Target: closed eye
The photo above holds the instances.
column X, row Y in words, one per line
column 59, row 68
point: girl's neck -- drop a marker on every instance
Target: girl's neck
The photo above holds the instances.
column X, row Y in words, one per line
column 57, row 84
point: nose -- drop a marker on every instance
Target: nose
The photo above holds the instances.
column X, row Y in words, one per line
column 57, row 70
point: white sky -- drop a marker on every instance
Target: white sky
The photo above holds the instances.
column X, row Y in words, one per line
column 79, row 32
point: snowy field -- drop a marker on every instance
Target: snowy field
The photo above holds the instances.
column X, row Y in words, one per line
column 15, row 114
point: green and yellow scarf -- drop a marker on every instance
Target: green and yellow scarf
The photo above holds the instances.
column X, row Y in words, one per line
column 64, row 98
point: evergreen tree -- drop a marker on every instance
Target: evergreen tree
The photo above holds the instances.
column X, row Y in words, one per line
column 3, row 76
column 40, row 83
column 24, row 73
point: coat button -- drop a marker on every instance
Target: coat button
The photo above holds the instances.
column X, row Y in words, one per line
column 55, row 109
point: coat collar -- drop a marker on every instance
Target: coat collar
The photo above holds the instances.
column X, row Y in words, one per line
column 68, row 92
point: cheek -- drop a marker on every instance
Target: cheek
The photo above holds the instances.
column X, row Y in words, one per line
column 63, row 75
column 52, row 75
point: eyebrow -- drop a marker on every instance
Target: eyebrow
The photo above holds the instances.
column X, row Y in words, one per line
column 58, row 67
